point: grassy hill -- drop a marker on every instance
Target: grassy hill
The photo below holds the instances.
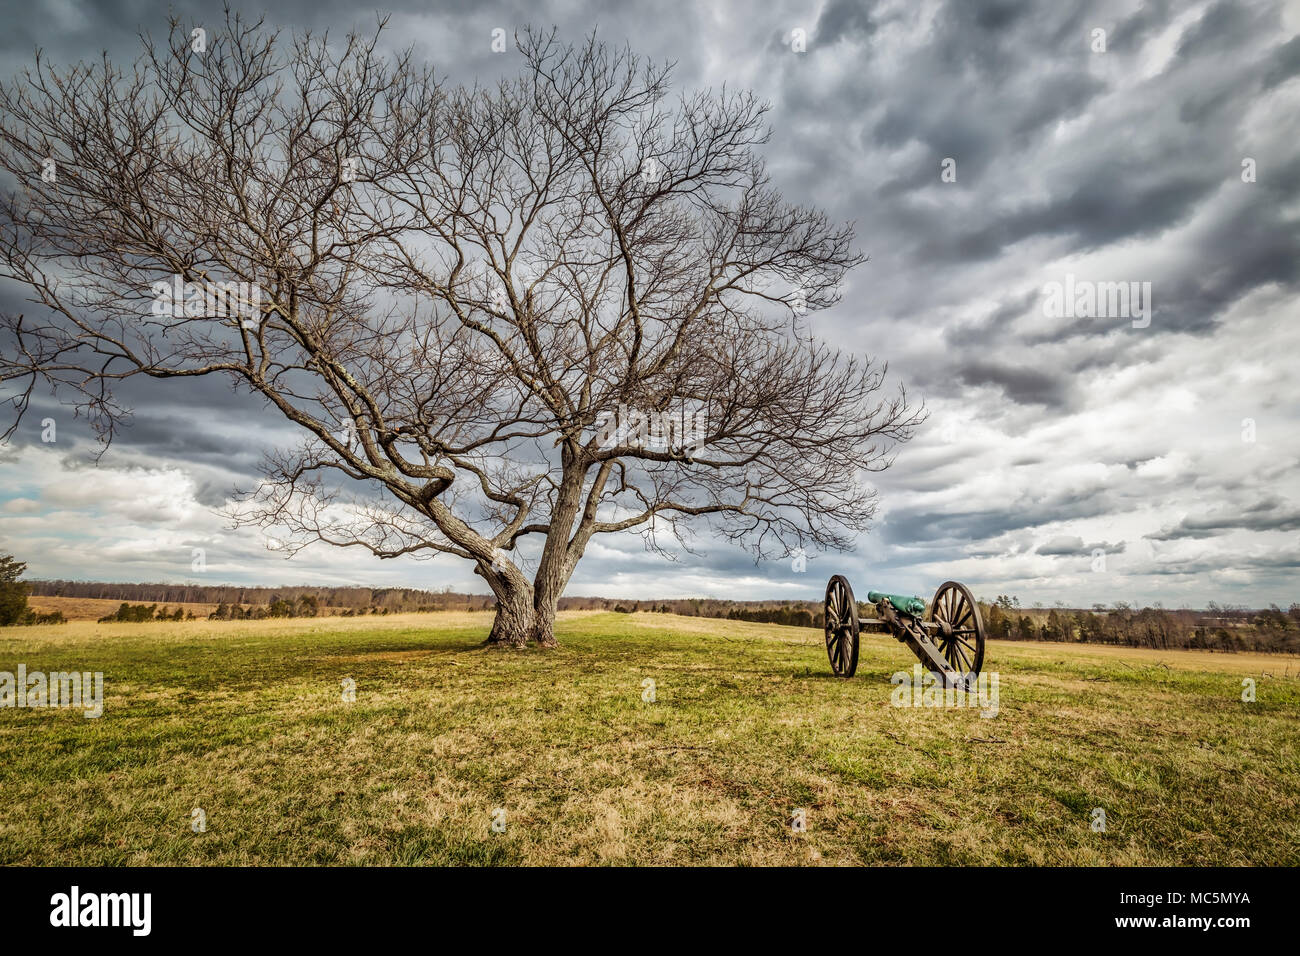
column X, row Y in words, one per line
column 246, row 720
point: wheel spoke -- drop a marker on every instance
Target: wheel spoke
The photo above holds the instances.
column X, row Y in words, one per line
column 840, row 623
column 958, row 635
column 839, row 647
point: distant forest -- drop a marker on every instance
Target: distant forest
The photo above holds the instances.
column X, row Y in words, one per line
column 1218, row 627
column 395, row 600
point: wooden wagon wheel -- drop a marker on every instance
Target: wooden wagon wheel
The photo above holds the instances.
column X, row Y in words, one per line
column 960, row 634
column 841, row 617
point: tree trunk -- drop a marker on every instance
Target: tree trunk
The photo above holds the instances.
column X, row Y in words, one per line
column 518, row 622
column 523, row 616
column 513, row 625
column 544, row 621
column 553, row 569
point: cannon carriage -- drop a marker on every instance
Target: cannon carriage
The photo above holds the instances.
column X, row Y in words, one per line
column 947, row 635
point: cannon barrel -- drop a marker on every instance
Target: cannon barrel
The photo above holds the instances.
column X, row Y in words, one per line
column 914, row 606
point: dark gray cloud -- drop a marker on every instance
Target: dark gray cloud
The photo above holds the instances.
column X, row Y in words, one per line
column 906, row 526
column 841, row 19
column 1286, row 560
column 1020, row 383
column 1284, row 64
column 1073, row 546
column 1272, row 514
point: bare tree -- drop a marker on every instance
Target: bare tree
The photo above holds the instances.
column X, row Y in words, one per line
column 506, row 319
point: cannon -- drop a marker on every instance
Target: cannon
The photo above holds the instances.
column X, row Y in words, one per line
column 947, row 636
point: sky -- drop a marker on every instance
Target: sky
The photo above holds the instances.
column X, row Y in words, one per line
column 992, row 156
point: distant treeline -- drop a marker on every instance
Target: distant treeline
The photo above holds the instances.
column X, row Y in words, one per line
column 395, row 600
column 305, row 606
column 138, row 613
column 360, row 600
column 1217, row 628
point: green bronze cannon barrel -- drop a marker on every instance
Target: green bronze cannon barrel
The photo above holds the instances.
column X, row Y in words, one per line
column 914, row 606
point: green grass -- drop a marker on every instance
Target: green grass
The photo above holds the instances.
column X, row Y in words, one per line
column 246, row 720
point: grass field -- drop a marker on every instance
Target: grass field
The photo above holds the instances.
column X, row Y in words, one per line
column 247, row 721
